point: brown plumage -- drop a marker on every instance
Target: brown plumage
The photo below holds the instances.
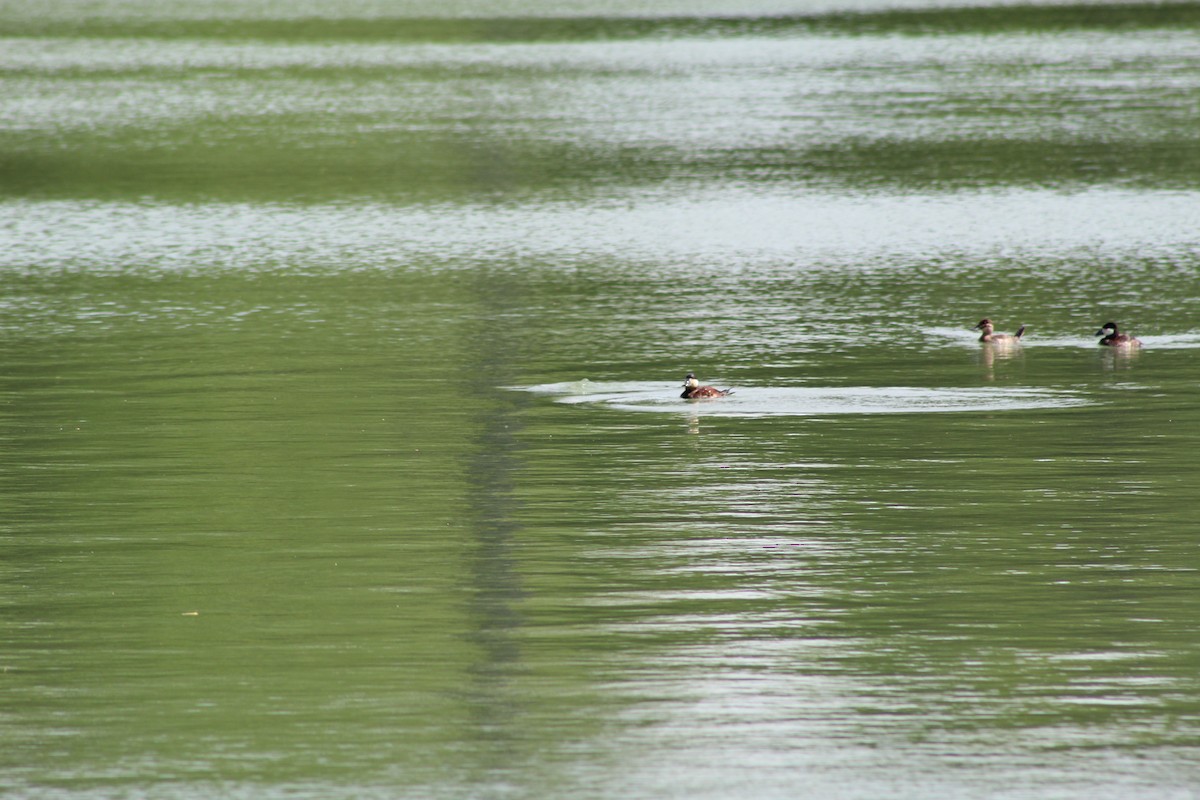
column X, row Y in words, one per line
column 986, row 326
column 1114, row 338
column 692, row 389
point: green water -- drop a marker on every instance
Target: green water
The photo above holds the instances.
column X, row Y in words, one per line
column 341, row 452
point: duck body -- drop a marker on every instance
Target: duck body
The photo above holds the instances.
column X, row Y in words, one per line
column 692, row 390
column 1114, row 338
column 988, row 333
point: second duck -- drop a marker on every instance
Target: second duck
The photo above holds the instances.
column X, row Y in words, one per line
column 988, row 335
column 1114, row 338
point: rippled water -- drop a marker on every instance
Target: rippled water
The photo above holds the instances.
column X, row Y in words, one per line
column 758, row 401
column 341, row 446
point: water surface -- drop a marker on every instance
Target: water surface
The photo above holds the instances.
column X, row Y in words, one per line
column 341, row 452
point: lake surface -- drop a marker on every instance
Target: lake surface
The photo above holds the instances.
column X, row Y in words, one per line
column 341, row 447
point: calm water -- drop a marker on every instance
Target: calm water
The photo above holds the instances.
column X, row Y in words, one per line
column 341, row 452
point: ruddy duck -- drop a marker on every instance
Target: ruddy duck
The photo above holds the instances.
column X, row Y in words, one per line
column 693, row 390
column 985, row 325
column 1114, row 338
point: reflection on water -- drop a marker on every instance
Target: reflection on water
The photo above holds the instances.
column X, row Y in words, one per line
column 323, row 333
column 992, row 352
column 1119, row 358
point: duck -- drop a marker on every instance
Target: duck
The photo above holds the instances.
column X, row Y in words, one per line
column 986, row 326
column 1114, row 338
column 692, row 390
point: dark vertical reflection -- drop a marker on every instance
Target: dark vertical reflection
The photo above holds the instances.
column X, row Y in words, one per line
column 495, row 587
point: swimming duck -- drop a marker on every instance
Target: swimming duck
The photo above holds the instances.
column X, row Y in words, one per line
column 1114, row 338
column 985, row 325
column 693, row 390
